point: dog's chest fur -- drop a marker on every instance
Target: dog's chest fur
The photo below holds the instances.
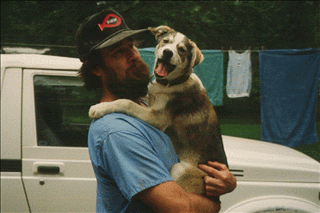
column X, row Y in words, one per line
column 188, row 108
column 185, row 98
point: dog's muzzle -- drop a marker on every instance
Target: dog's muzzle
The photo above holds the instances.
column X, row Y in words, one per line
column 163, row 66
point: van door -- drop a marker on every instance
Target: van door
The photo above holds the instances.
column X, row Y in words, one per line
column 57, row 171
column 13, row 197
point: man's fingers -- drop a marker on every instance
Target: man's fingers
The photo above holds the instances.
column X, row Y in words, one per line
column 212, row 171
column 214, row 189
column 217, row 165
column 208, row 169
column 213, row 183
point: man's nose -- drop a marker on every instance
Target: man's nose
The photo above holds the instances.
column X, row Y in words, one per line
column 134, row 54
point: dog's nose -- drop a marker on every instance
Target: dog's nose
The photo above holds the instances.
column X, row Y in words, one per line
column 167, row 54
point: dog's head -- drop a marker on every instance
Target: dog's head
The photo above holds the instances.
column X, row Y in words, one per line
column 176, row 55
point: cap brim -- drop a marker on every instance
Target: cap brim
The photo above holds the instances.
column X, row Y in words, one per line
column 113, row 39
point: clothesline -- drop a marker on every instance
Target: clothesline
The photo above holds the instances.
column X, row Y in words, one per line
column 241, row 50
column 222, row 49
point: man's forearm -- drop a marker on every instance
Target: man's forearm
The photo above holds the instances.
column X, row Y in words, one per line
column 203, row 204
column 170, row 197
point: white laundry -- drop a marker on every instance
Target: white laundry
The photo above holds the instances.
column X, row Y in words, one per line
column 239, row 75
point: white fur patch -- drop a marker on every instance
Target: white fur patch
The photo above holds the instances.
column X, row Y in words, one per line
column 179, row 38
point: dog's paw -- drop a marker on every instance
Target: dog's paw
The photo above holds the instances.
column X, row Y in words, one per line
column 98, row 110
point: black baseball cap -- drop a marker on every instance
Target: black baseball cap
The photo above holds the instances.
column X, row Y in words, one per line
column 102, row 30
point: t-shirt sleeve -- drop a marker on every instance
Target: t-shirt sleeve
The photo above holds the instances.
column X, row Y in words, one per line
column 133, row 162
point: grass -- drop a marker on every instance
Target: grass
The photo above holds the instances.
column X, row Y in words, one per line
column 312, row 150
column 242, row 130
column 251, row 129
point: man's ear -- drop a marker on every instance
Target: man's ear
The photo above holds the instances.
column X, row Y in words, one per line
column 197, row 56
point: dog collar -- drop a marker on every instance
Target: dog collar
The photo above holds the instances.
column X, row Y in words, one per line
column 177, row 81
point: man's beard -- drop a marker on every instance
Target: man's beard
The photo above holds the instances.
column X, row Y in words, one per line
column 133, row 86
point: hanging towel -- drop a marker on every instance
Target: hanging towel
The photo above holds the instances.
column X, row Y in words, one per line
column 239, row 74
column 210, row 71
column 289, row 82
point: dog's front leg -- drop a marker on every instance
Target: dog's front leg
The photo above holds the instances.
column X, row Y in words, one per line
column 130, row 108
column 121, row 106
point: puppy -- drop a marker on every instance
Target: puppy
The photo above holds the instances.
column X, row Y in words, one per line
column 178, row 106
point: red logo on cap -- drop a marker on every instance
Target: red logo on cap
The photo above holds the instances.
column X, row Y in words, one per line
column 109, row 21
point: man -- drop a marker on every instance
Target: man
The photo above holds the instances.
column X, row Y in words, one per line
column 130, row 158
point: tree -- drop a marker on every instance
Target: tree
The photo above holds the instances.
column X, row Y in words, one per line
column 211, row 24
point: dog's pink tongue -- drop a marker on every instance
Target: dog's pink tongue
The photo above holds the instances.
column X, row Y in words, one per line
column 161, row 70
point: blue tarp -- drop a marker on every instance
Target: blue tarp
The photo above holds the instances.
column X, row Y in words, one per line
column 147, row 55
column 210, row 71
column 289, row 82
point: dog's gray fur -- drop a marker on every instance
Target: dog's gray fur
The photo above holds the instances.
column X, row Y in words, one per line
column 178, row 106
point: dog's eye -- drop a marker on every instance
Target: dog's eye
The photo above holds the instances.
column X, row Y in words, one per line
column 165, row 41
column 181, row 50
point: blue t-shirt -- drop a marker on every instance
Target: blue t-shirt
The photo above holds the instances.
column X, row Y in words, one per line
column 128, row 156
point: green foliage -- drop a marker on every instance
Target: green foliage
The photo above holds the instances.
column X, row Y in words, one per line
column 211, row 24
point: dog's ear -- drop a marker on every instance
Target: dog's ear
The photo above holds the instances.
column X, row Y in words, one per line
column 160, row 31
column 197, row 56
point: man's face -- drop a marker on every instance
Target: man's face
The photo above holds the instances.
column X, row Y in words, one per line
column 126, row 75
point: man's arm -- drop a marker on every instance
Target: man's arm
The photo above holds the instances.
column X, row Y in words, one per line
column 170, row 197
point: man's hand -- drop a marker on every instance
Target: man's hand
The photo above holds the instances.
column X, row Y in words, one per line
column 220, row 181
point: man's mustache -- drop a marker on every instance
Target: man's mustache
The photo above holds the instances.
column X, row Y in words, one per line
column 139, row 71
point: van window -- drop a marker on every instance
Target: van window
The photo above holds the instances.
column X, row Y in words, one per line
column 62, row 106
